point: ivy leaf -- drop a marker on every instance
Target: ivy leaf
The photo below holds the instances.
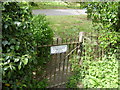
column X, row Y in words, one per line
column 7, row 57
column 6, row 68
column 25, row 61
column 16, row 60
column 17, row 23
column 17, row 47
column 5, row 26
column 5, row 43
column 19, row 67
column 11, row 67
column 12, row 47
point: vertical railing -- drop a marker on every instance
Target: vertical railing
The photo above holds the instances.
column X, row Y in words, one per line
column 60, row 64
column 92, row 46
column 81, row 38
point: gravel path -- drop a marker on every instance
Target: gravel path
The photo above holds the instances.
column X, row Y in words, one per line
column 60, row 12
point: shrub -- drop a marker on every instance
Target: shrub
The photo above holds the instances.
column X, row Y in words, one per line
column 15, row 27
column 104, row 72
column 42, row 35
column 21, row 34
column 106, row 20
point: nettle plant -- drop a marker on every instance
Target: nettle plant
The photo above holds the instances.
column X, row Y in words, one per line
column 22, row 32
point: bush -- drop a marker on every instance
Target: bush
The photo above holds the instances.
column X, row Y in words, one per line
column 106, row 13
column 21, row 34
column 102, row 73
column 106, row 20
column 15, row 27
column 42, row 35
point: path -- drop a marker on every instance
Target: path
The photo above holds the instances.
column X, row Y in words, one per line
column 60, row 12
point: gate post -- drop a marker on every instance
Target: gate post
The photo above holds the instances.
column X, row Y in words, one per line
column 81, row 36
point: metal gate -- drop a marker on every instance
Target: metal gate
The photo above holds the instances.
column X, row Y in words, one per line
column 59, row 68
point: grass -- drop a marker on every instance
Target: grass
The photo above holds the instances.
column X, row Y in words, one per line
column 69, row 26
column 55, row 5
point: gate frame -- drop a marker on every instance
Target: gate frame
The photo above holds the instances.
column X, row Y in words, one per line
column 78, row 48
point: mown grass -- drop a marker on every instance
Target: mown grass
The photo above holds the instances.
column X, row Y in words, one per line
column 64, row 26
column 55, row 5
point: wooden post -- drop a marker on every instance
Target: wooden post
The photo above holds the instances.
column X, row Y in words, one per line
column 81, row 36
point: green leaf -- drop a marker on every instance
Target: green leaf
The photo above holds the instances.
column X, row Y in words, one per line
column 25, row 61
column 16, row 47
column 11, row 47
column 10, row 66
column 16, row 60
column 5, row 43
column 5, row 68
column 19, row 67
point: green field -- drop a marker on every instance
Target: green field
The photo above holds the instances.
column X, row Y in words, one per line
column 64, row 26
column 55, row 5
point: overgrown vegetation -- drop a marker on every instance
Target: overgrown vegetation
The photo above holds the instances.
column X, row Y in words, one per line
column 103, row 72
column 106, row 19
column 22, row 61
column 95, row 74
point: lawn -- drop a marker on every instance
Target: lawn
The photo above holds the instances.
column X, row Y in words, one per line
column 65, row 26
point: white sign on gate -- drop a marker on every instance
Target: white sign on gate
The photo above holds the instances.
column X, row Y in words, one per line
column 58, row 49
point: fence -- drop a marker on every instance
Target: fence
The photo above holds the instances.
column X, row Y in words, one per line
column 58, row 68
column 92, row 47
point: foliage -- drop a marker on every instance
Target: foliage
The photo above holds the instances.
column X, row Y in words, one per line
column 42, row 35
column 106, row 21
column 72, row 83
column 21, row 34
column 41, row 32
column 13, row 41
column 105, row 16
column 104, row 12
column 101, row 74
column 73, row 80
